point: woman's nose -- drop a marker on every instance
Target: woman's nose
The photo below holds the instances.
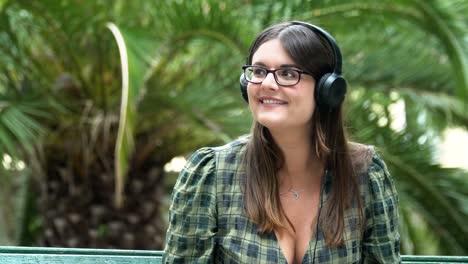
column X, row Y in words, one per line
column 270, row 81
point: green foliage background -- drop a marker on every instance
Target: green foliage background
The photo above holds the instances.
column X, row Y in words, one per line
column 61, row 83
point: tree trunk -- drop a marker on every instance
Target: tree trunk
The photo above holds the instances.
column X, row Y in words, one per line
column 76, row 203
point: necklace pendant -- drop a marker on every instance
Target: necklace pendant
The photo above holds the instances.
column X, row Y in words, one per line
column 296, row 195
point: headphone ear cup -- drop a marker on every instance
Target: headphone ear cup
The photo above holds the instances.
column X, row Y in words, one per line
column 243, row 87
column 331, row 90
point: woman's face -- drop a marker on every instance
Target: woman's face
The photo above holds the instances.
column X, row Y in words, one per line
column 275, row 106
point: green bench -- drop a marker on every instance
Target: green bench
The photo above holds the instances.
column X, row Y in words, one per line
column 37, row 255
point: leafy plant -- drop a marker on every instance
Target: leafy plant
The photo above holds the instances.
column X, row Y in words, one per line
column 67, row 112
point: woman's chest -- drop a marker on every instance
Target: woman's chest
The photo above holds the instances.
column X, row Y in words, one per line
column 250, row 249
column 238, row 241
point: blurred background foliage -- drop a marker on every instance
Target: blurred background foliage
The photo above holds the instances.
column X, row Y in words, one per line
column 72, row 131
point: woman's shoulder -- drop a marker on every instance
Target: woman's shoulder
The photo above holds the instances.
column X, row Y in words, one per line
column 369, row 164
column 230, row 152
column 372, row 171
column 210, row 157
column 202, row 169
column 236, row 145
column 362, row 156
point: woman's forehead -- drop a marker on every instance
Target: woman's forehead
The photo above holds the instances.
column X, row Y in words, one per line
column 272, row 53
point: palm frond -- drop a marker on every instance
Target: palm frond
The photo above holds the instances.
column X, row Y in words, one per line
column 135, row 63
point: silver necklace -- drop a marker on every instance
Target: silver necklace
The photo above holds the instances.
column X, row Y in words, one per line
column 295, row 193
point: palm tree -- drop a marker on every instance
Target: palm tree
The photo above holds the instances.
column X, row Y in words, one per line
column 77, row 104
column 182, row 94
column 65, row 64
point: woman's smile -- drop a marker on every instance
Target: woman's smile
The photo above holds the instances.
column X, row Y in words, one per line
column 270, row 101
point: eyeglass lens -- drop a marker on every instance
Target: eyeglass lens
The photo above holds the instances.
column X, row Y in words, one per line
column 256, row 74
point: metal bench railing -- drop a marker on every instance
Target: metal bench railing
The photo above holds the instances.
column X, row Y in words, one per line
column 42, row 255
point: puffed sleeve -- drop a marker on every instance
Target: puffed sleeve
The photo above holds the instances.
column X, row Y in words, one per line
column 381, row 237
column 192, row 214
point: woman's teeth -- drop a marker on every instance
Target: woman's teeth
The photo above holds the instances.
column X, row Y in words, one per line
column 269, row 101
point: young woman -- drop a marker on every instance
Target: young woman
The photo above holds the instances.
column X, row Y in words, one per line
column 295, row 190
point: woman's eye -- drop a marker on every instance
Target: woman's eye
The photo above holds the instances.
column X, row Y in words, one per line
column 289, row 74
column 259, row 72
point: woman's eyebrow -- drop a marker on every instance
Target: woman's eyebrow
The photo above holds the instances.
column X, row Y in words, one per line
column 260, row 64
column 289, row 66
column 281, row 66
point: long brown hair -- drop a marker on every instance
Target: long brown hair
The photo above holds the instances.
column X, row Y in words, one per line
column 264, row 158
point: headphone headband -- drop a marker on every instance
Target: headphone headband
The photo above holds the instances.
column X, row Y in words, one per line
column 334, row 46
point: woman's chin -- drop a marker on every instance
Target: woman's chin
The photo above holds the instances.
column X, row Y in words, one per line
column 272, row 124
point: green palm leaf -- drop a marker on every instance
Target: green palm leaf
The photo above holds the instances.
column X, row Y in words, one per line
column 135, row 63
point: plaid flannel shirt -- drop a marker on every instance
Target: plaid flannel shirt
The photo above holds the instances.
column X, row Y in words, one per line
column 207, row 223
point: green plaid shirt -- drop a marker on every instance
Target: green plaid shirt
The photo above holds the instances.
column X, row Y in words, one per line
column 207, row 223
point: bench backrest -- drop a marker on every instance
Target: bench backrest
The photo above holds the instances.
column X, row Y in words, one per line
column 38, row 255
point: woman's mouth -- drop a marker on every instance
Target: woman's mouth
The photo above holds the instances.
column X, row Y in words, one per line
column 272, row 101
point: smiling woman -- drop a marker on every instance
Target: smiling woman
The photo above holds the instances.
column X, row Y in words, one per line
column 295, row 190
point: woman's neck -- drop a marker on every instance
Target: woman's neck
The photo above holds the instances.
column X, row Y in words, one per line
column 301, row 165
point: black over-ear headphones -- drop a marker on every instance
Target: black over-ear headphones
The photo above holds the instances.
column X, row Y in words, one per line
column 330, row 89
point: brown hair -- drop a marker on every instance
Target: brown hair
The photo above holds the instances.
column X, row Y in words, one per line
column 264, row 158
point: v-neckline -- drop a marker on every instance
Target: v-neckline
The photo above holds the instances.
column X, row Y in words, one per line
column 316, row 227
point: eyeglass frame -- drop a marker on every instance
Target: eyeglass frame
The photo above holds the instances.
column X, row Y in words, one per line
column 274, row 74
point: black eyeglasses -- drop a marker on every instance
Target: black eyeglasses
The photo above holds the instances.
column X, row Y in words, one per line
column 284, row 77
